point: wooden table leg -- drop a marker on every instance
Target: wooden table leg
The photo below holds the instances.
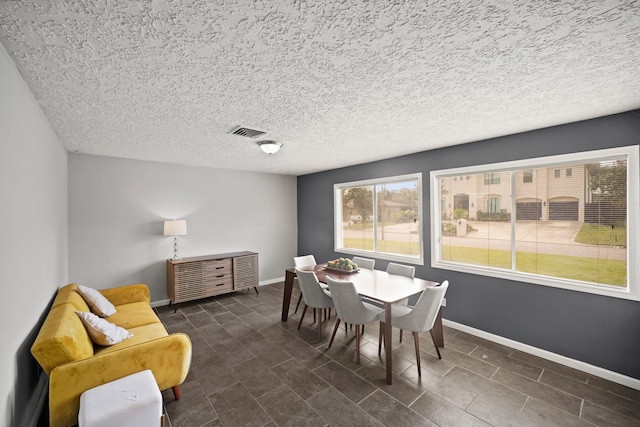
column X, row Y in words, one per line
column 388, row 340
column 438, row 331
column 286, row 297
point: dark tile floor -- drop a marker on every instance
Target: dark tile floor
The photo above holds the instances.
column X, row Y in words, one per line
column 251, row 369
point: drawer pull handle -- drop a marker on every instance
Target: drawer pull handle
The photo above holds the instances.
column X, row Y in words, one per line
column 220, row 284
column 219, row 268
column 220, row 275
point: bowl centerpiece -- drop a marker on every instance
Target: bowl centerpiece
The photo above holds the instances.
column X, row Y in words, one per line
column 344, row 265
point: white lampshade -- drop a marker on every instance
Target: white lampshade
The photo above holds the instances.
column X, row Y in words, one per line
column 176, row 227
column 270, row 147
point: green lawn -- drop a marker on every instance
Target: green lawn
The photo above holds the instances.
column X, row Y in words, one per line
column 606, row 235
column 608, row 272
column 392, row 246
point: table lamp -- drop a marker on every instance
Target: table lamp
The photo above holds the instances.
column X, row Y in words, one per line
column 175, row 228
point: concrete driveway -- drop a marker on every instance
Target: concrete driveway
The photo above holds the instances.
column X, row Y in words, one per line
column 527, row 231
column 551, row 237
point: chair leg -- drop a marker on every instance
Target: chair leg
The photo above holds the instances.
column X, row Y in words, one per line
column 334, row 332
column 416, row 340
column 362, row 333
column 380, row 339
column 358, row 344
column 320, row 324
column 304, row 311
column 176, row 392
column 298, row 304
column 400, row 335
column 433, row 338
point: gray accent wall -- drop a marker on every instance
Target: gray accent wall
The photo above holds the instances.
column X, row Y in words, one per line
column 33, row 239
column 601, row 331
column 117, row 209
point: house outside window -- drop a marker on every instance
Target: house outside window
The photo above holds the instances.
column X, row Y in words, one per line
column 577, row 233
column 380, row 218
column 568, row 173
column 527, row 176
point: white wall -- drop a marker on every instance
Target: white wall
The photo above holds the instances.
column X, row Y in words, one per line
column 117, row 208
column 33, row 234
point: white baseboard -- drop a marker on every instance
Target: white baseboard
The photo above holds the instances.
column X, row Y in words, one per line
column 272, row 281
column 563, row 360
column 161, row 303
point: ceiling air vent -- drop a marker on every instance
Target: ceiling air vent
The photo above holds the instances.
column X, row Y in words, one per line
column 245, row 131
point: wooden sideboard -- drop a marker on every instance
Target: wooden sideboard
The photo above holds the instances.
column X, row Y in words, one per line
column 204, row 276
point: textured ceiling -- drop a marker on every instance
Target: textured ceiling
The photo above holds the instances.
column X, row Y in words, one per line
column 338, row 82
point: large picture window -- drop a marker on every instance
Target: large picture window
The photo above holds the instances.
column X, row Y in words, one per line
column 380, row 218
column 569, row 221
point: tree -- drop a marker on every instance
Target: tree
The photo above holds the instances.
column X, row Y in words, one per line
column 608, row 181
column 444, row 191
column 361, row 198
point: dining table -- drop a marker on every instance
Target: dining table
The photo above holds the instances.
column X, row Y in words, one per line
column 373, row 284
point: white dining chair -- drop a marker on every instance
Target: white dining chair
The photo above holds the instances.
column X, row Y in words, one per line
column 350, row 309
column 418, row 319
column 365, row 263
column 302, row 261
column 401, row 269
column 314, row 297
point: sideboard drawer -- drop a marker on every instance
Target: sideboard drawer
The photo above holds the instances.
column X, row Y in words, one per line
column 223, row 284
column 215, row 270
column 217, row 266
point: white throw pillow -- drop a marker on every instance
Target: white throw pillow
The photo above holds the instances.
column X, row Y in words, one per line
column 96, row 301
column 103, row 332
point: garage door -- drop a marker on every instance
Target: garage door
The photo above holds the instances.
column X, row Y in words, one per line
column 529, row 210
column 563, row 211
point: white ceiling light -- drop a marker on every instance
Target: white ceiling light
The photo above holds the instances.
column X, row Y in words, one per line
column 270, row 147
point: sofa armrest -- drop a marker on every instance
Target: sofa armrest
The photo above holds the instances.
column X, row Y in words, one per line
column 127, row 294
column 168, row 358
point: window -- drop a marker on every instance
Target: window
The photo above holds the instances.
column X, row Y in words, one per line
column 380, row 217
column 493, row 205
column 491, row 178
column 579, row 233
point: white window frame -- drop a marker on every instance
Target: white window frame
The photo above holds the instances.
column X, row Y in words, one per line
column 337, row 215
column 632, row 291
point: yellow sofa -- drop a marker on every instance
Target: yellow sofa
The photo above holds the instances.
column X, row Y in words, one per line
column 74, row 364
